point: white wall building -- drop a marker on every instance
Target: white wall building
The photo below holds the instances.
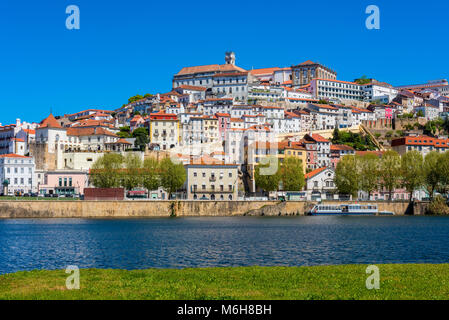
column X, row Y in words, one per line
column 19, row 171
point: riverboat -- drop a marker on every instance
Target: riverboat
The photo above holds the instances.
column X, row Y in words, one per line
column 344, row 210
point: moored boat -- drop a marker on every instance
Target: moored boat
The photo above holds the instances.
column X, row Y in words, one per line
column 344, row 210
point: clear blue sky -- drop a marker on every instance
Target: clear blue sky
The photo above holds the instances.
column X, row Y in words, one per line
column 129, row 47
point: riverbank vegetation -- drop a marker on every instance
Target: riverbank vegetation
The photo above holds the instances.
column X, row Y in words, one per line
column 391, row 171
column 346, row 282
column 113, row 170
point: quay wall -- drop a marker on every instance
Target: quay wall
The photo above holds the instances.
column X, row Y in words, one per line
column 129, row 209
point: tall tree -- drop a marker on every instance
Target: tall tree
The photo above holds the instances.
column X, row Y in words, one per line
column 267, row 179
column 151, row 179
column 412, row 172
column 369, row 173
column 390, row 171
column 106, row 171
column 432, row 174
column 292, row 174
column 347, row 176
column 142, row 139
column 172, row 176
column 132, row 175
column 443, row 169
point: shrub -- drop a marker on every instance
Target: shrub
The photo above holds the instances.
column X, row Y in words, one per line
column 438, row 207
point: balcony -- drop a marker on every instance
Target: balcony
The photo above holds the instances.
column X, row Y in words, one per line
column 210, row 190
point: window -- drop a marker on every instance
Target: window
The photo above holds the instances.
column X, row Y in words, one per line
column 60, row 182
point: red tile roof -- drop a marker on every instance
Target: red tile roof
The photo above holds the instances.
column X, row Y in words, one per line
column 209, row 68
column 11, row 155
column 193, row 88
column 50, row 122
column 314, row 173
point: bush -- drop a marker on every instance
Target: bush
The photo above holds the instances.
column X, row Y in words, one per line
column 438, row 207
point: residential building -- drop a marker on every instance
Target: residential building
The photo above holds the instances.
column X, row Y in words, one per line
column 164, row 130
column 19, row 173
column 63, row 182
column 320, row 184
column 212, row 180
column 422, row 144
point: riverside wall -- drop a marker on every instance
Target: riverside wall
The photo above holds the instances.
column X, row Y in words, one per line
column 130, row 209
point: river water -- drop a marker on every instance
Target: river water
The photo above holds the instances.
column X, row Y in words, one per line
column 220, row 242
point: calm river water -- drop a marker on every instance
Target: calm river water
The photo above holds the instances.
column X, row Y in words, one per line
column 220, row 242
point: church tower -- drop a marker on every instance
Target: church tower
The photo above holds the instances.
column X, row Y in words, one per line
column 230, row 58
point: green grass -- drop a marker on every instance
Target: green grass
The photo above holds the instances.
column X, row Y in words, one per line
column 305, row 283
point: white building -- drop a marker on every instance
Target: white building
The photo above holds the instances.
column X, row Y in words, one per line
column 379, row 91
column 231, row 85
column 320, row 184
column 336, row 90
column 323, row 116
column 18, row 174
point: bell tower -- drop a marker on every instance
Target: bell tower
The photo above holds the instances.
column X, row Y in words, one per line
column 230, row 58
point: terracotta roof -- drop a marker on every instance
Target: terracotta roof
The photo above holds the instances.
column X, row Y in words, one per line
column 421, row 141
column 341, row 147
column 123, row 141
column 223, row 114
column 99, row 131
column 195, row 88
column 314, row 173
column 317, row 138
column 264, row 71
column 50, row 122
column 209, row 68
column 11, row 155
column 29, row 131
column 306, row 63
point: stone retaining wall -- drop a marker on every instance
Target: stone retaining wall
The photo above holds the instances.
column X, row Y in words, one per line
column 127, row 209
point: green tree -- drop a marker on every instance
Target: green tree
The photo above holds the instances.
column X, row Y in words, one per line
column 137, row 97
column 147, row 95
column 432, row 174
column 124, row 132
column 390, row 171
column 443, row 169
column 132, row 175
column 172, row 176
column 267, row 175
column 412, row 172
column 106, row 171
column 347, row 176
column 420, row 114
column 362, row 80
column 142, row 139
column 292, row 174
column 369, row 173
column 151, row 171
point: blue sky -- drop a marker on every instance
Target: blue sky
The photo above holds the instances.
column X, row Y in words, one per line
column 129, row 47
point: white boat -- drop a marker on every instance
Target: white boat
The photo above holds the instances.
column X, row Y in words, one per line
column 344, row 210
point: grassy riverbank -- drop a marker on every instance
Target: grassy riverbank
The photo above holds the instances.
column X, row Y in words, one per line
column 329, row 282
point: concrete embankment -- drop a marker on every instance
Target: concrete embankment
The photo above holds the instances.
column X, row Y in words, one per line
column 127, row 209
